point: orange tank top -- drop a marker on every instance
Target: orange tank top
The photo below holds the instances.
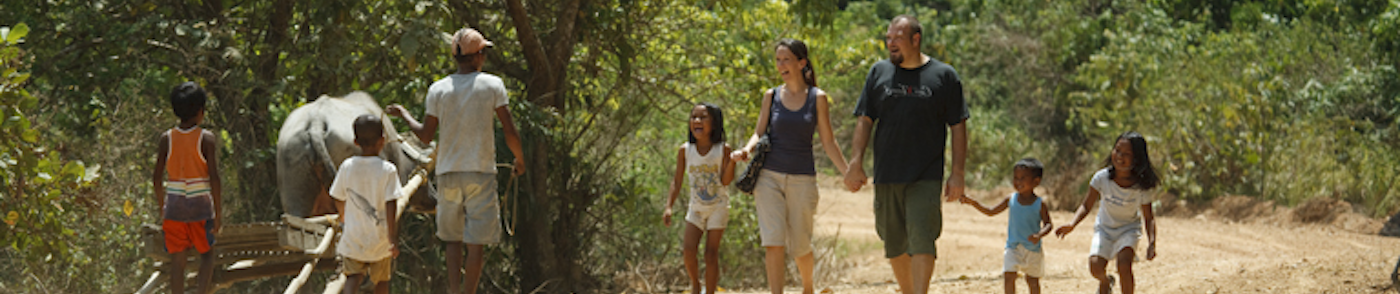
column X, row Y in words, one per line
column 187, row 177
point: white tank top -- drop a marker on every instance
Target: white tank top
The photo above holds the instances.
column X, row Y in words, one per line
column 702, row 171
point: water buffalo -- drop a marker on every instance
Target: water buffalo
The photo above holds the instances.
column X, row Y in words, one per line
column 317, row 136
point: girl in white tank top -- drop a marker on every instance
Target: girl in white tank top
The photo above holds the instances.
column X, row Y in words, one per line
column 703, row 163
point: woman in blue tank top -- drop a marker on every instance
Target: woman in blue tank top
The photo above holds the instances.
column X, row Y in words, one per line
column 786, row 193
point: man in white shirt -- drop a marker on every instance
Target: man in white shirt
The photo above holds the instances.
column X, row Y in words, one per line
column 462, row 105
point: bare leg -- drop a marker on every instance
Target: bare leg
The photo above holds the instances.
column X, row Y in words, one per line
column 206, row 272
column 352, row 284
column 690, row 248
column 900, row 265
column 804, row 268
column 712, row 243
column 475, row 260
column 177, row 272
column 921, row 272
column 454, row 267
column 1010, row 278
column 1097, row 267
column 381, row 287
column 773, row 262
column 1033, row 283
column 1125, row 269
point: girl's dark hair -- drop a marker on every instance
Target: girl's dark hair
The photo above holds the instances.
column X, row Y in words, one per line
column 799, row 49
column 716, row 118
column 1143, row 175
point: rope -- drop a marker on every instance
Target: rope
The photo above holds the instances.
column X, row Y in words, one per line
column 512, row 191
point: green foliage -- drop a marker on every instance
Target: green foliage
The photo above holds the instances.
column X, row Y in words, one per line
column 1282, row 100
column 44, row 198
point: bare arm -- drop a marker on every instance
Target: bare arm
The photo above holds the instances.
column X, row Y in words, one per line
column 955, row 180
column 987, row 211
column 1080, row 213
column 676, row 180
column 1046, row 225
column 726, row 174
column 391, row 213
column 158, row 172
column 743, row 153
column 1150, row 222
column 855, row 170
column 209, row 147
column 424, row 131
column 339, row 210
column 512, row 138
column 833, row 150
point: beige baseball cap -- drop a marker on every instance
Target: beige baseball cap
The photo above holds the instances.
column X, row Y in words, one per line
column 468, row 41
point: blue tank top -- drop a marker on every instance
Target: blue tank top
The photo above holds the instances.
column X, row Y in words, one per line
column 1023, row 222
column 792, row 135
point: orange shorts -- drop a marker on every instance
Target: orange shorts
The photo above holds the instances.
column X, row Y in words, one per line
column 180, row 236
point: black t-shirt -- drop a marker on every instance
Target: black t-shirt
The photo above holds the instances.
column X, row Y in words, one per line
column 912, row 110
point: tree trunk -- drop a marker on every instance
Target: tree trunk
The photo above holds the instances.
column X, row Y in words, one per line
column 547, row 250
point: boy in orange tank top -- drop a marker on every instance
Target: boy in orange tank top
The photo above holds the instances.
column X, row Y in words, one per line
column 187, row 187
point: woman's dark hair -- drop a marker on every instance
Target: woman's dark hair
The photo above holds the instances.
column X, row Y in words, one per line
column 1143, row 175
column 799, row 49
column 716, row 118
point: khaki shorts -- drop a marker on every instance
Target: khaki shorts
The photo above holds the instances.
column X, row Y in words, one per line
column 467, row 209
column 787, row 206
column 708, row 217
column 378, row 271
column 909, row 217
column 1023, row 260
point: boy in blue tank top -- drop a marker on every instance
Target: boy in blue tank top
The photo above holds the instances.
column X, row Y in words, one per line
column 1029, row 221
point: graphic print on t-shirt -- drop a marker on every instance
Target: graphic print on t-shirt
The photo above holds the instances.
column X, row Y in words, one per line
column 366, row 207
column 706, row 183
column 898, row 90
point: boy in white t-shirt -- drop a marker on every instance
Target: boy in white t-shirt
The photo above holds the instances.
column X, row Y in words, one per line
column 365, row 190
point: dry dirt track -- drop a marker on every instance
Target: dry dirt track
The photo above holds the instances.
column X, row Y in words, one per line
column 1195, row 254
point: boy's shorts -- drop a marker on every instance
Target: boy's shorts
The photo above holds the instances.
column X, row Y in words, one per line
column 180, row 236
column 378, row 271
column 909, row 217
column 708, row 217
column 1106, row 245
column 1023, row 260
column 787, row 206
column 467, row 209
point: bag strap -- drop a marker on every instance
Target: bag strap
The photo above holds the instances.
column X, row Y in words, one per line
column 768, row 130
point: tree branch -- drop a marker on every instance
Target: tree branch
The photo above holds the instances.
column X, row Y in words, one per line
column 529, row 43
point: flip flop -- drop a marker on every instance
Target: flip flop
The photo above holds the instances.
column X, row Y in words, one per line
column 1111, row 281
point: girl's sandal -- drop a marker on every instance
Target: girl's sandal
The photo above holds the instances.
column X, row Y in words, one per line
column 1111, row 281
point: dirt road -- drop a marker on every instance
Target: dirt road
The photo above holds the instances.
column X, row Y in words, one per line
column 1195, row 254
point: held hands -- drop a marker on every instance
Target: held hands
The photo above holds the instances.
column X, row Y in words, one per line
column 1063, row 230
column 954, row 188
column 740, row 154
column 855, row 177
column 965, row 200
